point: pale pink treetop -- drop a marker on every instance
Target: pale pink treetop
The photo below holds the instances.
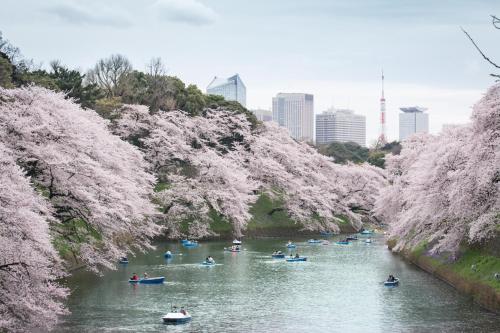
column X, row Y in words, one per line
column 445, row 189
column 30, row 297
column 89, row 175
column 219, row 162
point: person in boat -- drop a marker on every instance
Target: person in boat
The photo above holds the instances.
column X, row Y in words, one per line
column 210, row 259
column 183, row 311
column 279, row 252
column 124, row 259
column 207, row 259
column 134, row 277
column 391, row 278
column 146, row 275
column 237, row 247
column 296, row 255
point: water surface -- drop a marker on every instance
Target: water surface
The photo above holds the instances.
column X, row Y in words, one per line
column 339, row 289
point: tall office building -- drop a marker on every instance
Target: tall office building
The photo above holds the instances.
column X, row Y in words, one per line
column 295, row 111
column 232, row 89
column 413, row 120
column 340, row 126
column 263, row 115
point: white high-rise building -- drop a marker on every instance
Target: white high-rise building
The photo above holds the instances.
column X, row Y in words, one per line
column 340, row 125
column 413, row 120
column 232, row 89
column 263, row 115
column 295, row 111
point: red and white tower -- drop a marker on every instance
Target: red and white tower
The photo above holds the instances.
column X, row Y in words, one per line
column 382, row 139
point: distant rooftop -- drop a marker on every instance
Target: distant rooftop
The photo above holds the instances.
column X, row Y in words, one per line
column 413, row 109
column 219, row 81
column 332, row 111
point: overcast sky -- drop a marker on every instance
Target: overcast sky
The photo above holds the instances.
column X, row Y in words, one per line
column 332, row 49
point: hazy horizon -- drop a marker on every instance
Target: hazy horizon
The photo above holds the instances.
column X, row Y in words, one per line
column 334, row 50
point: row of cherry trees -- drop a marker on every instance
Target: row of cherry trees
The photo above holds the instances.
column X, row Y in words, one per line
column 220, row 162
column 72, row 192
column 67, row 186
column 445, row 189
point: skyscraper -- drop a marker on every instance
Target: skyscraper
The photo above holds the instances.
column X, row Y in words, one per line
column 413, row 120
column 340, row 126
column 295, row 111
column 232, row 89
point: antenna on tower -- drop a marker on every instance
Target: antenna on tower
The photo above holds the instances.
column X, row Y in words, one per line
column 382, row 139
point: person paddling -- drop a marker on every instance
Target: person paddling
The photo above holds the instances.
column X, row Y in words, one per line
column 134, row 277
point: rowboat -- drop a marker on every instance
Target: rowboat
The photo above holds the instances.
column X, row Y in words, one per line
column 392, row 283
column 208, row 263
column 153, row 280
column 175, row 318
column 296, row 259
column 278, row 256
column 314, row 241
column 291, row 246
column 342, row 243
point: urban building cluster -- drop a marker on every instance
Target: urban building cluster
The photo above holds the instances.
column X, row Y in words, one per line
column 295, row 111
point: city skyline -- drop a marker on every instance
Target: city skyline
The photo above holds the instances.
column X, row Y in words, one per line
column 426, row 58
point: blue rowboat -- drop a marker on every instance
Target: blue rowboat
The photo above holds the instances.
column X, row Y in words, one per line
column 153, row 280
column 208, row 263
column 183, row 241
column 278, row 256
column 343, row 243
column 190, row 244
column 314, row 241
column 392, row 283
column 296, row 259
column 291, row 246
column 124, row 261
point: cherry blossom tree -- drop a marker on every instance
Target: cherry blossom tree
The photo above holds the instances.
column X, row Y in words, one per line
column 95, row 182
column 445, row 189
column 30, row 297
column 218, row 162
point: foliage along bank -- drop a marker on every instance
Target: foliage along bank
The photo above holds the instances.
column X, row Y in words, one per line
column 443, row 204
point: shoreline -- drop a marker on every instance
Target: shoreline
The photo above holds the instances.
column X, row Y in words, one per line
column 482, row 294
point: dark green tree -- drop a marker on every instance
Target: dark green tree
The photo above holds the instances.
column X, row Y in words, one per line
column 343, row 152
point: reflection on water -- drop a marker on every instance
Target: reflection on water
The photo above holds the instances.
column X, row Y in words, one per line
column 339, row 289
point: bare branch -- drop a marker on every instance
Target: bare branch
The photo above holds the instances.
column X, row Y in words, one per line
column 479, row 50
column 496, row 21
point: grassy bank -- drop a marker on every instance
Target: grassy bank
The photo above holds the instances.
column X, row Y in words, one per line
column 269, row 219
column 473, row 273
